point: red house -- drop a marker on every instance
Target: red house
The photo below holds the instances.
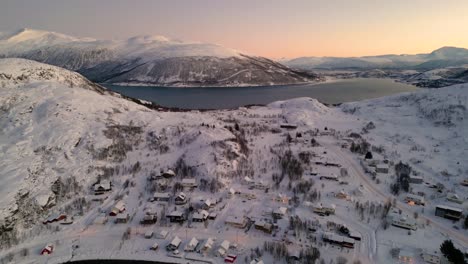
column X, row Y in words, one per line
column 47, row 250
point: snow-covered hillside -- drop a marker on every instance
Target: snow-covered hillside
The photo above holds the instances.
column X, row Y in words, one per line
column 276, row 180
column 149, row 60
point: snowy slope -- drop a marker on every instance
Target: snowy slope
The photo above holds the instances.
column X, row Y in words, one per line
column 148, row 60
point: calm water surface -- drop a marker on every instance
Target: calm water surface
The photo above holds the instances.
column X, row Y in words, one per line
column 230, row 97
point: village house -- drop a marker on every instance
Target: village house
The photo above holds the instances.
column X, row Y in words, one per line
column 189, row 183
column 207, row 204
column 402, row 221
column 342, row 195
column 162, row 234
column 181, row 199
column 324, row 210
column 119, row 207
column 223, row 248
column 149, row 219
column 382, row 168
column 416, row 179
column 212, row 216
column 338, row 240
column 175, row 243
column 102, row 187
column 168, row 174
column 449, row 212
column 433, row 257
column 413, row 199
column 280, row 212
column 122, row 218
column 149, row 234
column 192, row 245
column 200, row 216
column 176, row 216
column 47, row 250
column 208, row 244
column 455, row 198
column 264, row 226
column 161, row 197
column 406, row 256
column 155, row 246
column 238, row 222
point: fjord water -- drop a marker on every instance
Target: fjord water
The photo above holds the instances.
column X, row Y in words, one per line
column 230, row 97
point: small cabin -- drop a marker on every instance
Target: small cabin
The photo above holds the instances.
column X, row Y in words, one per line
column 223, row 248
column 176, row 216
column 149, row 219
column 47, row 250
column 406, row 256
column 382, row 168
column 208, row 244
column 415, row 199
column 449, row 212
column 192, row 245
column 168, row 174
column 264, row 226
column 200, row 216
column 149, row 234
column 122, row 218
column 161, row 197
column 189, row 183
column 119, row 207
column 102, row 187
column 181, row 198
column 155, row 246
column 280, row 212
column 162, row 234
column 235, row 221
column 175, row 243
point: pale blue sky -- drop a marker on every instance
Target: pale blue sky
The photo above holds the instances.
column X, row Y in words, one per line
column 270, row 28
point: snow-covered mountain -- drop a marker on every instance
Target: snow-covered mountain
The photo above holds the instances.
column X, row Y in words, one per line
column 443, row 57
column 149, row 60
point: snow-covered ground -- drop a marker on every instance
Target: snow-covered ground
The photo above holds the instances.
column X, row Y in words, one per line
column 60, row 133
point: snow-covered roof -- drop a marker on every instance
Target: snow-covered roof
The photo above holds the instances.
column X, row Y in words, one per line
column 450, row 208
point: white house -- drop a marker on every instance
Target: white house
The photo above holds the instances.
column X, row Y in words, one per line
column 200, row 216
column 280, row 212
column 208, row 244
column 175, row 243
column 223, row 248
column 162, row 234
column 119, row 207
column 192, row 245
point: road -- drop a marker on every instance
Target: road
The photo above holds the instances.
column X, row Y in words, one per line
column 356, row 169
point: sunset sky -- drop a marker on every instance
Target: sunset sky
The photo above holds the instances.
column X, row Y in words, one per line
column 270, row 28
